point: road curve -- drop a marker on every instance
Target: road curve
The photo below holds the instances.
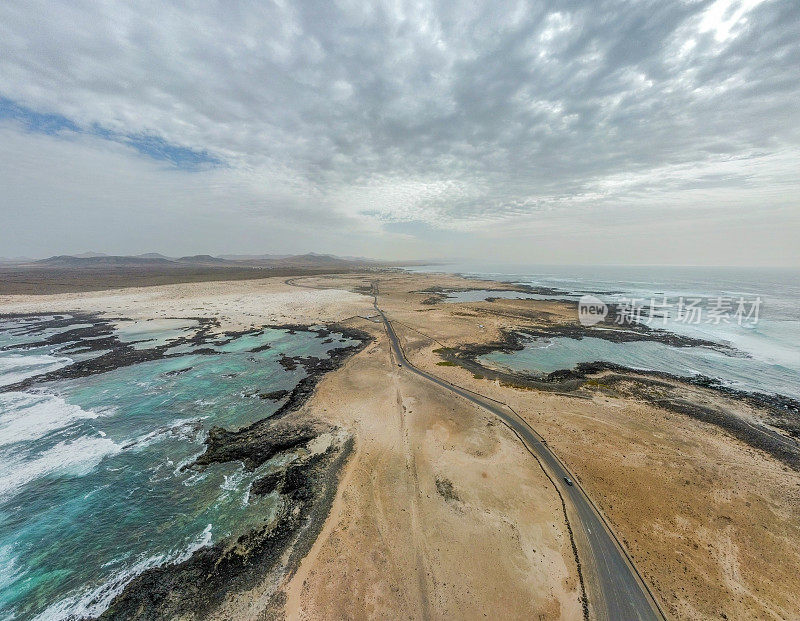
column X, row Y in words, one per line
column 614, row 589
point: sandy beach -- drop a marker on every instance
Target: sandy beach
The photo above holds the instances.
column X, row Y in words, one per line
column 237, row 304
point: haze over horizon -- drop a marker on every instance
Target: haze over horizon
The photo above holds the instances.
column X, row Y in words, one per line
column 654, row 133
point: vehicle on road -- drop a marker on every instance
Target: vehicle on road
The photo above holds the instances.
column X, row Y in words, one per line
column 568, row 481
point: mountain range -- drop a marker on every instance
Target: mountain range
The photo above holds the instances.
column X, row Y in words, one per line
column 154, row 260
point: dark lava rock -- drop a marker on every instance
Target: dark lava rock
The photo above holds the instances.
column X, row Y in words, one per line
column 178, row 371
column 288, row 363
column 275, row 395
column 255, row 444
column 194, row 588
column 267, row 484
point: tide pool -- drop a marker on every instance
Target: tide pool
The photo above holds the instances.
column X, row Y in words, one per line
column 542, row 356
column 93, row 488
column 766, row 353
column 481, row 295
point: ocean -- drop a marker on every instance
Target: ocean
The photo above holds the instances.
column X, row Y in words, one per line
column 761, row 349
column 93, row 488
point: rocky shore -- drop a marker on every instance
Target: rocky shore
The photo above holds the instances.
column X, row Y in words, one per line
column 98, row 336
column 656, row 387
column 778, row 415
column 306, row 487
column 196, row 587
column 313, row 451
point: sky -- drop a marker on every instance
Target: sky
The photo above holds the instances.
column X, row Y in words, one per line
column 579, row 132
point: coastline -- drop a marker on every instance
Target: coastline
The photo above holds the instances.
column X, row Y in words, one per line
column 272, row 553
column 305, row 486
column 628, row 435
column 781, row 411
column 404, row 443
column 202, row 583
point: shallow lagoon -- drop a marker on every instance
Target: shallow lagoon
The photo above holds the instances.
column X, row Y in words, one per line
column 481, row 295
column 545, row 355
column 93, row 491
column 770, row 348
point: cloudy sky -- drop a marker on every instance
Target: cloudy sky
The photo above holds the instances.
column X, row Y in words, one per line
column 538, row 132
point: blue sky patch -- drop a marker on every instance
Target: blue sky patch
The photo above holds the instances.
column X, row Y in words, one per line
column 146, row 144
column 35, row 121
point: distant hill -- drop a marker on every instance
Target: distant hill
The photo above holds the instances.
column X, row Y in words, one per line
column 253, row 257
column 266, row 261
column 90, row 255
column 204, row 259
column 152, row 255
column 65, row 260
column 312, row 259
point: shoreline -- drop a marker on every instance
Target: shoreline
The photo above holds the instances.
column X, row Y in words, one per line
column 513, row 340
column 598, row 375
column 305, row 486
column 202, row 583
column 306, row 489
column 784, row 411
column 607, row 423
column 624, row 432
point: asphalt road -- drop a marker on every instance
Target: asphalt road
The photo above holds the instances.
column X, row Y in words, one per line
column 614, row 589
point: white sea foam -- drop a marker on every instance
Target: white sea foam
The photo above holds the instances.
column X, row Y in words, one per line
column 232, row 481
column 9, row 569
column 15, row 367
column 204, row 539
column 93, row 602
column 185, row 462
column 774, row 342
column 185, row 429
column 77, row 458
column 25, row 416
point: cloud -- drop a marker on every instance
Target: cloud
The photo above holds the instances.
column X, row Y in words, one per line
column 454, row 116
column 75, row 191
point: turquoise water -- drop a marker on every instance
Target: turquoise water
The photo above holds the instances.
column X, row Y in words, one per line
column 547, row 355
column 766, row 354
column 480, row 295
column 145, row 334
column 92, row 490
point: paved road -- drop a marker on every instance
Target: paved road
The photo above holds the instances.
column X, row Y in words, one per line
column 614, row 589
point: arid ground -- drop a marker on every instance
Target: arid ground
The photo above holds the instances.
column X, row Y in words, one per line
column 441, row 513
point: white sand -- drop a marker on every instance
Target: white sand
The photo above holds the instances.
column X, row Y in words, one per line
column 237, row 304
